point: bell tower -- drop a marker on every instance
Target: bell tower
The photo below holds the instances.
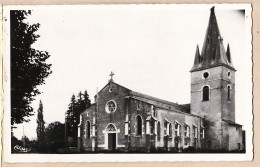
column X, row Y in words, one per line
column 213, row 84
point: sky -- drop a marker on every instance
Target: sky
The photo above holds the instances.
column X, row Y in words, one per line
column 150, row 48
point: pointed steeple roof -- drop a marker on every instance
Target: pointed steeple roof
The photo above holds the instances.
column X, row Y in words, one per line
column 213, row 51
column 198, row 58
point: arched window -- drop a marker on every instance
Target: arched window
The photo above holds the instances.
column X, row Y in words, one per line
column 165, row 128
column 170, row 130
column 177, row 129
column 88, row 130
column 139, row 125
column 229, row 93
column 205, row 95
column 158, row 129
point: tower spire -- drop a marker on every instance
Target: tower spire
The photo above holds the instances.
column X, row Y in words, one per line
column 198, row 58
column 213, row 52
column 228, row 54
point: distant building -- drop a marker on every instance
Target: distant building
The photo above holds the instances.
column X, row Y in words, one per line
column 122, row 119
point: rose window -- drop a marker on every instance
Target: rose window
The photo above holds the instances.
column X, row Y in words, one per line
column 110, row 107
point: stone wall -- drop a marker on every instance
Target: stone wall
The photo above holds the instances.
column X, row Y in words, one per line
column 138, row 142
column 218, row 106
column 228, row 106
column 87, row 115
column 182, row 119
column 117, row 118
column 235, row 137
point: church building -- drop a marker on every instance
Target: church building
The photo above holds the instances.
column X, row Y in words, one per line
column 126, row 120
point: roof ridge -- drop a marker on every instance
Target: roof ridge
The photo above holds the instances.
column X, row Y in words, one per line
column 153, row 98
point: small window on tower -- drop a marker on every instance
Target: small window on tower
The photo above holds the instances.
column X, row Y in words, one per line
column 228, row 74
column 206, row 75
column 229, row 93
column 205, row 94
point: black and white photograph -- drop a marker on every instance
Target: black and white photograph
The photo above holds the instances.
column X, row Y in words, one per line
column 124, row 83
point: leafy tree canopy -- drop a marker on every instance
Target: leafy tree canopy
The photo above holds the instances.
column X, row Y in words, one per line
column 55, row 131
column 28, row 66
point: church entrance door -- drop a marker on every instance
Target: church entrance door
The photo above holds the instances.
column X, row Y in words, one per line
column 112, row 141
column 111, row 137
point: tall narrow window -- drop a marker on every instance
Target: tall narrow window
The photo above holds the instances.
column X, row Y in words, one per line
column 229, row 93
column 205, row 93
column 177, row 129
column 158, row 129
column 195, row 132
column 139, row 125
column 170, row 130
column 165, row 128
column 186, row 130
column 88, row 130
column 186, row 134
column 202, row 133
column 126, row 128
column 152, row 126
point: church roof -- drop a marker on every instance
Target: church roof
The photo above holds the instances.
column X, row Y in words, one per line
column 213, row 52
column 186, row 107
column 166, row 105
column 162, row 103
column 148, row 97
column 152, row 100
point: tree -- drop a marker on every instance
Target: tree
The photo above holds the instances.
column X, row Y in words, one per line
column 55, row 136
column 80, row 106
column 83, row 102
column 86, row 99
column 70, row 119
column 76, row 107
column 28, row 66
column 40, row 124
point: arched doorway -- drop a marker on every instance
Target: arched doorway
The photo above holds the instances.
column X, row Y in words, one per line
column 111, row 136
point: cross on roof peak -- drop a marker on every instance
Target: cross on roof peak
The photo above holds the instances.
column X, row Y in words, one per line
column 111, row 75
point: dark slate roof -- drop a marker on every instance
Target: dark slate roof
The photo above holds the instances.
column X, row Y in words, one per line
column 231, row 122
column 186, row 107
column 144, row 96
column 213, row 51
column 159, row 102
column 148, row 97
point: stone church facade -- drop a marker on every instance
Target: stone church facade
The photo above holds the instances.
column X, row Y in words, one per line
column 122, row 119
